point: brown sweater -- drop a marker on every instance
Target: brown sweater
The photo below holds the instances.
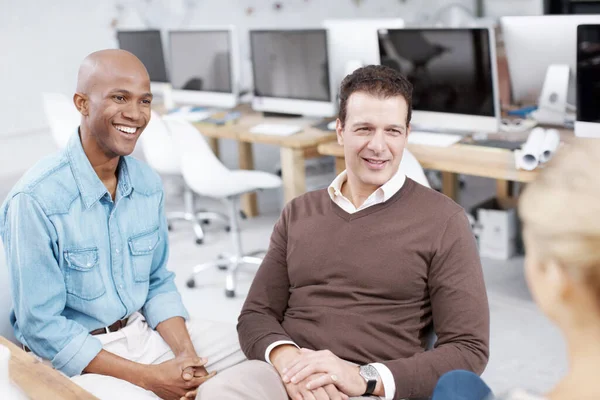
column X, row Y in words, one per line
column 368, row 286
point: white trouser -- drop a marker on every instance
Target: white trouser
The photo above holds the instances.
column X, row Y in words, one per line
column 218, row 342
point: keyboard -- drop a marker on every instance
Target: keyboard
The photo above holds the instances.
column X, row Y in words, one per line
column 275, row 129
column 192, row 114
column 433, row 138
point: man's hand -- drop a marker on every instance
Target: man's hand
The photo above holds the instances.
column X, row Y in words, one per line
column 300, row 391
column 167, row 380
column 191, row 372
column 286, row 354
column 332, row 370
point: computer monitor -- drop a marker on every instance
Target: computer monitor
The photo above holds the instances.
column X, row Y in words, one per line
column 352, row 44
column 453, row 72
column 205, row 67
column 147, row 46
column 291, row 72
column 588, row 81
column 535, row 43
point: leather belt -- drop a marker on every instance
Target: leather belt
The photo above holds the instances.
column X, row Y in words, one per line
column 120, row 324
column 111, row 328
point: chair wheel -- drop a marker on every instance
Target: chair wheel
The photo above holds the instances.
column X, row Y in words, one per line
column 230, row 293
column 222, row 267
column 169, row 227
column 206, row 221
column 243, row 215
column 227, row 229
column 199, row 241
column 191, row 283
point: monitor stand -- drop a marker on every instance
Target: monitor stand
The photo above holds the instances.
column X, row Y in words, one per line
column 269, row 114
column 552, row 104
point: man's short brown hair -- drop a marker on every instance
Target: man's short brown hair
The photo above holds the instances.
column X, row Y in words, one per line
column 376, row 80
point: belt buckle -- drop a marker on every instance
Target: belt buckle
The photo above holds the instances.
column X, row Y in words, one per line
column 106, row 329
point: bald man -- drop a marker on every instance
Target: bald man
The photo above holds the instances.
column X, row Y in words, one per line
column 86, row 243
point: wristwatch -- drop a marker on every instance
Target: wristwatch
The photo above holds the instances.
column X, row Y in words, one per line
column 369, row 374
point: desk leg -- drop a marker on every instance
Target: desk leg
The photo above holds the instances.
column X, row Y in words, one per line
column 293, row 171
column 340, row 165
column 214, row 145
column 504, row 189
column 450, row 185
column 246, row 161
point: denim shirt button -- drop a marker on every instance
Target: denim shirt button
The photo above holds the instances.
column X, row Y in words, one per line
column 117, row 251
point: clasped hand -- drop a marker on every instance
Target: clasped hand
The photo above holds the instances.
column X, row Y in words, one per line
column 178, row 378
column 321, row 369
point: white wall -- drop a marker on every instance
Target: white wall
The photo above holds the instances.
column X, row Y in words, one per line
column 42, row 44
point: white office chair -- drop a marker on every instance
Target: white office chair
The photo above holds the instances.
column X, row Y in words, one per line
column 207, row 176
column 6, row 328
column 412, row 168
column 62, row 116
column 162, row 155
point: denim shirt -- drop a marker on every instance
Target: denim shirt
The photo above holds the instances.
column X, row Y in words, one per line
column 79, row 261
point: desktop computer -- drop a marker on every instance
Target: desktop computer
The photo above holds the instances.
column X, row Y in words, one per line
column 147, row 46
column 205, row 67
column 454, row 76
column 291, row 72
column 541, row 54
column 587, row 123
column 353, row 44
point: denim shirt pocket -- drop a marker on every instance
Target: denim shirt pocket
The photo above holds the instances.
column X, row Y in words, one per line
column 142, row 248
column 82, row 275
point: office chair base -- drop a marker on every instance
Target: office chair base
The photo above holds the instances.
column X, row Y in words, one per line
column 228, row 263
column 198, row 219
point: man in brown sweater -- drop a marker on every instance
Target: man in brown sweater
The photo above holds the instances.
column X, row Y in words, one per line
column 358, row 275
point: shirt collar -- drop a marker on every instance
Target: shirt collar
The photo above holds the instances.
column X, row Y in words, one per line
column 89, row 184
column 388, row 189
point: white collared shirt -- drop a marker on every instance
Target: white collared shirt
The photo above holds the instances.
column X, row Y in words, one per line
column 382, row 194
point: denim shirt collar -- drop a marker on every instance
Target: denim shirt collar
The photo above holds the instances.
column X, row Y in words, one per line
column 89, row 184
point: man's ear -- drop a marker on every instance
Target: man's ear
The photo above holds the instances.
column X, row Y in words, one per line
column 81, row 102
column 339, row 132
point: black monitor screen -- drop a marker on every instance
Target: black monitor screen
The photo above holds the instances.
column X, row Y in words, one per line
column 200, row 60
column 450, row 69
column 147, row 46
column 588, row 73
column 290, row 64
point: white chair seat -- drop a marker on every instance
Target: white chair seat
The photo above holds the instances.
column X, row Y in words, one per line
column 235, row 183
column 206, row 175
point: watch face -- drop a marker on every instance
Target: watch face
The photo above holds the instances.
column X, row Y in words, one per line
column 369, row 372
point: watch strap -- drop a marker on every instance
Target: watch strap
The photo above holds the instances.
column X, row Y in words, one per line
column 371, row 384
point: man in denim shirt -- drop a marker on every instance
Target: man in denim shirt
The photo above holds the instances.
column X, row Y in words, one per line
column 86, row 244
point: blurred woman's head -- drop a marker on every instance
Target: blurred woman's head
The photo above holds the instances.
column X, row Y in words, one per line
column 561, row 217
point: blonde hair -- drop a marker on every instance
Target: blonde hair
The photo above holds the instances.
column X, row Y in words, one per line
column 561, row 210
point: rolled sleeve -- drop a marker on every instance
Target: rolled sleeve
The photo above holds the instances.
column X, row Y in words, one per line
column 162, row 307
column 76, row 355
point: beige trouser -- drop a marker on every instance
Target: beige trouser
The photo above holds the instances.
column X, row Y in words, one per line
column 138, row 342
column 250, row 380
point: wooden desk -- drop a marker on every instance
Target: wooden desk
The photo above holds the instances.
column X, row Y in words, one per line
column 38, row 381
column 465, row 159
column 294, row 149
